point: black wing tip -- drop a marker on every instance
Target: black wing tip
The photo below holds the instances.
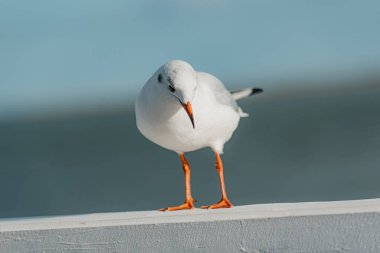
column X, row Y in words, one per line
column 256, row 91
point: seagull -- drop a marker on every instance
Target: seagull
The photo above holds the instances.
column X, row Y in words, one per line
column 184, row 110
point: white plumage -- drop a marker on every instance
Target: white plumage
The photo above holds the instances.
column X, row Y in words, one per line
column 161, row 118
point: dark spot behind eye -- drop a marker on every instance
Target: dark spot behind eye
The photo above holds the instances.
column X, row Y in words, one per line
column 171, row 88
column 159, row 78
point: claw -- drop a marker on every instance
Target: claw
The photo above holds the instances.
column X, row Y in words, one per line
column 187, row 205
column 224, row 203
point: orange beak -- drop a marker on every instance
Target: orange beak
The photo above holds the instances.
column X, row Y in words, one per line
column 189, row 111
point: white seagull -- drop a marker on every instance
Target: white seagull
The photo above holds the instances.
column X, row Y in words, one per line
column 184, row 110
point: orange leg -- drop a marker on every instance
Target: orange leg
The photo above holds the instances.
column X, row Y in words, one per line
column 224, row 202
column 189, row 199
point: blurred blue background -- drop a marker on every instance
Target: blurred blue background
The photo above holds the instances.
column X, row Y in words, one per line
column 69, row 72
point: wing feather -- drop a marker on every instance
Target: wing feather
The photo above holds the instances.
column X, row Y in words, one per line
column 222, row 95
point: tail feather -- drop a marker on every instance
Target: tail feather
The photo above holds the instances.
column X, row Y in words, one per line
column 242, row 113
column 239, row 94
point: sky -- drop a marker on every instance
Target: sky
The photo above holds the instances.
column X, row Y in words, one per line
column 78, row 53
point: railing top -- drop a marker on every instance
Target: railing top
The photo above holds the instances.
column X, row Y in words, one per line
column 259, row 211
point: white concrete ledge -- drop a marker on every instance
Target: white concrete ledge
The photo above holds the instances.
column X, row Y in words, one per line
column 342, row 226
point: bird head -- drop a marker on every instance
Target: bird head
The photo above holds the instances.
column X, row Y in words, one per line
column 178, row 79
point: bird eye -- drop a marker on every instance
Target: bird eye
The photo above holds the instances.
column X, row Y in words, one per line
column 159, row 78
column 171, row 88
